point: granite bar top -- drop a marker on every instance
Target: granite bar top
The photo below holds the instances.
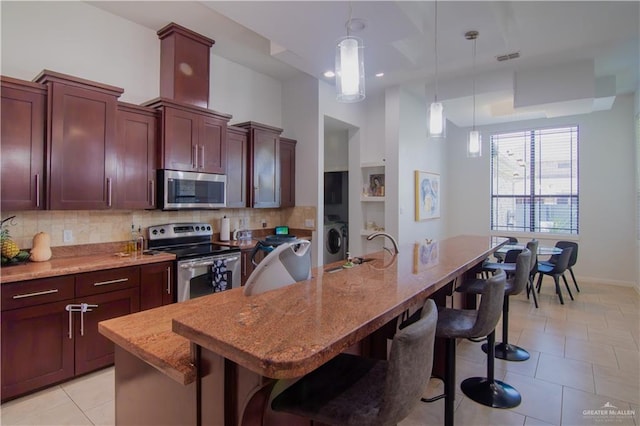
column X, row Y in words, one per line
column 291, row 331
column 288, row 332
column 73, row 262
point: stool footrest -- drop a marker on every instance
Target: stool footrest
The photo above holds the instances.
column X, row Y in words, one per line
column 434, row 399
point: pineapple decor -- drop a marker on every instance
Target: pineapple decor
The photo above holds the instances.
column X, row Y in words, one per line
column 10, row 251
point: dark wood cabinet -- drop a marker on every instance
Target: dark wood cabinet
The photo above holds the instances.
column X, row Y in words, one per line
column 81, row 142
column 37, row 345
column 287, row 172
column 92, row 349
column 192, row 139
column 47, row 337
column 156, row 285
column 22, row 140
column 236, row 167
column 263, row 168
column 136, row 151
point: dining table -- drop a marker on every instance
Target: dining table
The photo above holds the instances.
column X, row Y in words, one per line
column 542, row 250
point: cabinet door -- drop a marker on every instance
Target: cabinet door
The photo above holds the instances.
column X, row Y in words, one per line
column 136, row 160
column 212, row 145
column 265, row 155
column 92, row 349
column 180, row 139
column 82, row 149
column 36, row 348
column 287, row 172
column 22, row 146
column 236, row 169
column 156, row 285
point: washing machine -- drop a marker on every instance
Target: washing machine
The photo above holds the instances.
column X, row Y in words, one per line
column 335, row 242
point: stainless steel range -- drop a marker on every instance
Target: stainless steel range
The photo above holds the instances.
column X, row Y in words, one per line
column 202, row 268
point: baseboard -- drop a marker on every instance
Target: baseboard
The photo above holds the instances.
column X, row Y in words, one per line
column 619, row 283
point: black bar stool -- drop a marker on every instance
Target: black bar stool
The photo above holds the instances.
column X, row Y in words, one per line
column 352, row 390
column 467, row 323
column 518, row 281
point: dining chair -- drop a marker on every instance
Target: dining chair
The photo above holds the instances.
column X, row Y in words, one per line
column 500, row 257
column 572, row 260
column 556, row 270
column 354, row 390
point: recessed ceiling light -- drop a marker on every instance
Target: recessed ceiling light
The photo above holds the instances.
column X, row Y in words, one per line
column 380, row 74
column 329, row 74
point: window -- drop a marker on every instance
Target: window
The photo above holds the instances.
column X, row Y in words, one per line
column 534, row 181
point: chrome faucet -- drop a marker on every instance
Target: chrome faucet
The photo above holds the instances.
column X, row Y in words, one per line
column 384, row 234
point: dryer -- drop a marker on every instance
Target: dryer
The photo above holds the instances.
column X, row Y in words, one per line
column 335, row 242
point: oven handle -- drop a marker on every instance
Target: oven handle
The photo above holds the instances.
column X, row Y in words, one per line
column 207, row 262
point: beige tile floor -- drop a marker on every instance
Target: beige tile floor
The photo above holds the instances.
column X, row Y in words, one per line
column 584, row 355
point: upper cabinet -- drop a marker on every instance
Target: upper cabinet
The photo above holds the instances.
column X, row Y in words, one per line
column 236, row 167
column 287, row 172
column 22, row 144
column 263, row 169
column 192, row 139
column 81, row 148
column 136, row 151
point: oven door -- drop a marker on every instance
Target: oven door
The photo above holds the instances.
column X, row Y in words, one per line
column 207, row 275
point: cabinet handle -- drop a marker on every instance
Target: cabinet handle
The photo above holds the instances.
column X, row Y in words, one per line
column 152, row 191
column 37, row 189
column 37, row 293
column 119, row 280
column 169, row 280
column 195, row 156
column 202, row 156
column 84, row 307
column 108, row 192
column 71, row 309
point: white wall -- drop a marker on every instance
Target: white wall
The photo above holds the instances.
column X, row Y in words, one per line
column 608, row 220
column 416, row 151
column 336, row 150
column 81, row 40
column 78, row 39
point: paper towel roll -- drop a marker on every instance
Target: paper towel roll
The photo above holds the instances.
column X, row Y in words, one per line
column 224, row 229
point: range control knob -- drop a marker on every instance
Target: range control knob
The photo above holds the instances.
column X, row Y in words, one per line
column 162, row 230
column 208, row 228
column 154, row 232
column 197, row 228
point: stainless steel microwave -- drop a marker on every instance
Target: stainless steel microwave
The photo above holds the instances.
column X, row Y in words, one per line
column 191, row 190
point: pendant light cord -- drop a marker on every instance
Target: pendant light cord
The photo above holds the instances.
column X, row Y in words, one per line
column 474, row 82
column 435, row 45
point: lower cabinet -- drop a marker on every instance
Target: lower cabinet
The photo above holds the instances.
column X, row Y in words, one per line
column 50, row 326
column 156, row 285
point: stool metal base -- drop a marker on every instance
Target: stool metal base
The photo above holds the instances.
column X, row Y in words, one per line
column 508, row 352
column 494, row 393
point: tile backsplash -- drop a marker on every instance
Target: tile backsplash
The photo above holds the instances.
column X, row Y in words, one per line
column 100, row 226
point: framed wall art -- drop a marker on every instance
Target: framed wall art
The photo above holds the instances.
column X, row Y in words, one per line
column 427, row 195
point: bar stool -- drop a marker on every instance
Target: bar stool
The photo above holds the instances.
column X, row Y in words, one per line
column 468, row 323
column 514, row 285
column 352, row 390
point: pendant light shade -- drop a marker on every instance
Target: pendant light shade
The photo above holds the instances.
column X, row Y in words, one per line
column 436, row 119
column 474, row 141
column 436, row 109
column 350, row 70
column 474, row 144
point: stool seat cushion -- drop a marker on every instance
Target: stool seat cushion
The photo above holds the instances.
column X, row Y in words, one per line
column 333, row 393
column 456, row 323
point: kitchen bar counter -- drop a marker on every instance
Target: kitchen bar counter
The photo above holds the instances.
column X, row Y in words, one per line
column 75, row 264
column 291, row 331
column 283, row 333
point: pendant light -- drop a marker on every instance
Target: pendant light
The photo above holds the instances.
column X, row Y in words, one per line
column 436, row 109
column 350, row 64
column 474, row 142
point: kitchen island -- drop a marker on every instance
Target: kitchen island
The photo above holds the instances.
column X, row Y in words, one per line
column 238, row 344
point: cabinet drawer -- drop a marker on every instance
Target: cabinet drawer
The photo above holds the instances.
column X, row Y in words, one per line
column 107, row 280
column 37, row 292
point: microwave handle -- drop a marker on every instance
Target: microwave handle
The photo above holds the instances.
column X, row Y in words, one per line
column 195, row 156
column 202, row 156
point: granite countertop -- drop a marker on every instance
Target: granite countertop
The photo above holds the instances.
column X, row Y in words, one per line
column 288, row 332
column 76, row 260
